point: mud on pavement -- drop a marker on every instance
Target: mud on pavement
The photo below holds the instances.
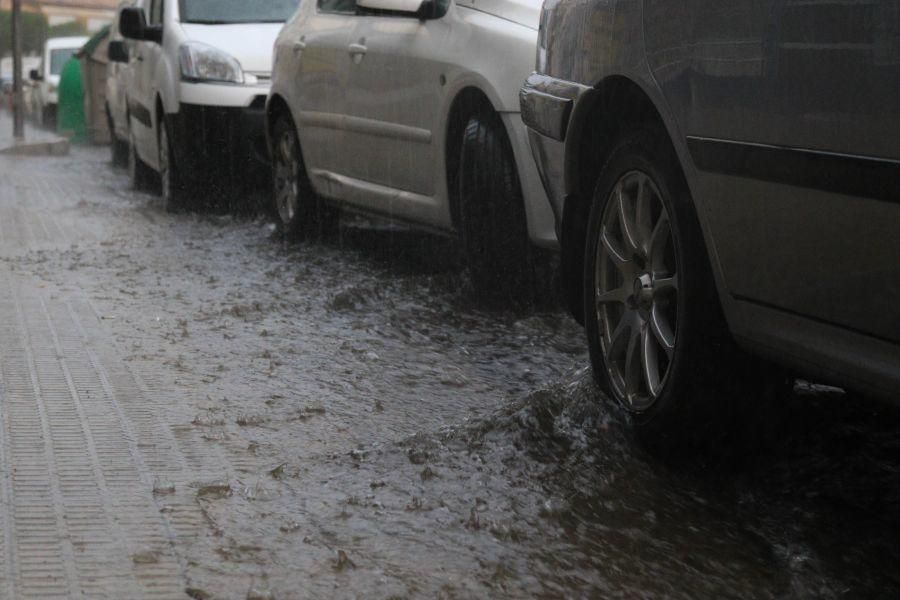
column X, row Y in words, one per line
column 343, row 419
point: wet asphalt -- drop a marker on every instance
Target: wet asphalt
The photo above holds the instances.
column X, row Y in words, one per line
column 357, row 422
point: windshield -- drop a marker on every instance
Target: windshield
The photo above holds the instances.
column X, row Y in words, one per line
column 237, row 11
column 58, row 58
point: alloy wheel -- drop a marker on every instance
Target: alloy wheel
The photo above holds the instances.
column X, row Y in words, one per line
column 636, row 291
column 287, row 184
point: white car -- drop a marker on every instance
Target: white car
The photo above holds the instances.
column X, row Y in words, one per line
column 45, row 95
column 409, row 109
column 200, row 74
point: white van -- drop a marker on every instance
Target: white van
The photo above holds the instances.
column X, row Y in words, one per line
column 45, row 95
column 200, row 74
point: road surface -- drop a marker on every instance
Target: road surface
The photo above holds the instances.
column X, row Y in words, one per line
column 190, row 407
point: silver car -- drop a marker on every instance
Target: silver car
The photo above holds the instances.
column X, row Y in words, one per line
column 409, row 109
column 724, row 170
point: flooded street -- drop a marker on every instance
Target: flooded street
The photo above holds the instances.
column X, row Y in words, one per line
column 192, row 408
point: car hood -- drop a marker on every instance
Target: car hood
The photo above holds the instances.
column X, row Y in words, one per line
column 250, row 43
column 524, row 12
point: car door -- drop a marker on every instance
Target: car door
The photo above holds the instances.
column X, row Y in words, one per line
column 792, row 111
column 141, row 99
column 320, row 39
column 396, row 91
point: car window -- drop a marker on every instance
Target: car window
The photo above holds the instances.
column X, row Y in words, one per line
column 440, row 9
column 338, row 6
column 58, row 58
column 237, row 11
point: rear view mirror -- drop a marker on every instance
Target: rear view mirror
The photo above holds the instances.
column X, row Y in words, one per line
column 133, row 25
column 35, row 75
column 422, row 9
column 117, row 52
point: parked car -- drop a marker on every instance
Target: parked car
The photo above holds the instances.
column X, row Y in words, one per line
column 723, row 157
column 118, row 81
column 200, row 74
column 45, row 95
column 408, row 108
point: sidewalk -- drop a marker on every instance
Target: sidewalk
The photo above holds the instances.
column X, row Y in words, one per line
column 38, row 142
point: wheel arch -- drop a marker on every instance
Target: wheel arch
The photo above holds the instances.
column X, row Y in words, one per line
column 467, row 102
column 276, row 106
column 615, row 105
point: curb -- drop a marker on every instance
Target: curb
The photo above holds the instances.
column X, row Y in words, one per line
column 57, row 147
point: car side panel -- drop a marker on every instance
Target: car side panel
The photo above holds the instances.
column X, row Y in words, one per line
column 792, row 113
column 594, row 41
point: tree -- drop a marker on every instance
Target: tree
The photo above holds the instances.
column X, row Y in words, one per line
column 34, row 32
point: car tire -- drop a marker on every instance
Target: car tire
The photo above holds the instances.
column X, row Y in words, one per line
column 141, row 175
column 173, row 187
column 300, row 212
column 118, row 149
column 657, row 338
column 492, row 210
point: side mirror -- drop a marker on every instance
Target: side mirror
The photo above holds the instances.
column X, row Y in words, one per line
column 35, row 75
column 429, row 9
column 117, row 52
column 133, row 25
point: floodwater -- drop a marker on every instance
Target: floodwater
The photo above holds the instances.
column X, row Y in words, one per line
column 355, row 422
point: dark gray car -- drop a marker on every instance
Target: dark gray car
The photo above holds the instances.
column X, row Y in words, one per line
column 724, row 170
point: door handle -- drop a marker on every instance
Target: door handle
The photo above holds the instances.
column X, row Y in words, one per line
column 300, row 45
column 358, row 52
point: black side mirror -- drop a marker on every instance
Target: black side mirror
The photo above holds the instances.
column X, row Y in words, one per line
column 429, row 9
column 35, row 75
column 133, row 25
column 117, row 52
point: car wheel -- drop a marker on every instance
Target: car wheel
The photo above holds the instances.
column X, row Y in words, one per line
column 494, row 228
column 172, row 186
column 299, row 210
column 118, row 149
column 652, row 315
column 140, row 173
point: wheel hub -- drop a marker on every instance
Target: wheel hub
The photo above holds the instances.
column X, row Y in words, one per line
column 643, row 291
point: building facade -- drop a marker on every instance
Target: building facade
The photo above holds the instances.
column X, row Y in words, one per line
column 94, row 14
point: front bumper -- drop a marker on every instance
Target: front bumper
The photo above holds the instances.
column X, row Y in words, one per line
column 550, row 110
column 547, row 108
column 220, row 141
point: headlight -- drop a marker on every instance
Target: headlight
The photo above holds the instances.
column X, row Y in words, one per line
column 200, row 62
